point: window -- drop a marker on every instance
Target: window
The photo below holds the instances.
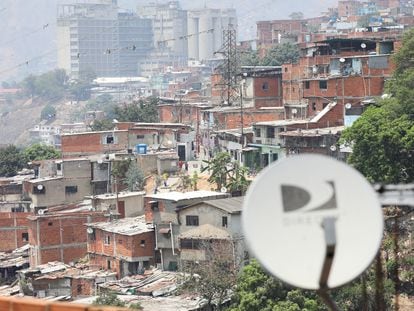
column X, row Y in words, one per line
column 154, row 205
column 224, row 221
column 265, row 86
column 275, row 156
column 142, row 244
column 79, row 288
column 325, row 104
column 313, row 106
column 140, row 136
column 323, row 84
column 107, row 240
column 25, row 237
column 307, row 85
column 59, row 166
column 257, row 132
column 191, row 220
column 108, row 264
column 71, row 189
column 270, row 132
column 190, row 244
column 109, row 140
column 50, row 223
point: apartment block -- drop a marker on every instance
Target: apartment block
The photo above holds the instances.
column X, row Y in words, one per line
column 97, row 37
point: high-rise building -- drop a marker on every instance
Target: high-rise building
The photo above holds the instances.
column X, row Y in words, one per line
column 94, row 36
column 169, row 25
column 205, row 31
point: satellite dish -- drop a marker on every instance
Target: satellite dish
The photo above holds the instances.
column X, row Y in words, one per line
column 89, row 230
column 223, row 189
column 348, row 106
column 294, row 111
column 39, row 187
column 363, row 45
column 41, row 212
column 342, row 60
column 332, row 148
column 297, row 207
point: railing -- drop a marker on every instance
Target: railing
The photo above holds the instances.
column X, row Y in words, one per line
column 31, row 304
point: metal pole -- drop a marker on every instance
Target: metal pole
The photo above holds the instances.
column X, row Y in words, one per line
column 241, row 115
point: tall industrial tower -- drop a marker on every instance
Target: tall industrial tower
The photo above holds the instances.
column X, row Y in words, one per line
column 229, row 68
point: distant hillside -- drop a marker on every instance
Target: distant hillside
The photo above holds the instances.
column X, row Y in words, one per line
column 25, row 114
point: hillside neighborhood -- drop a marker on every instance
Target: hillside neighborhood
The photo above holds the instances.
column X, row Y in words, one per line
column 123, row 172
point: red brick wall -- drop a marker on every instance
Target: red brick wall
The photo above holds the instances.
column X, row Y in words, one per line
column 61, row 237
column 83, row 287
column 91, row 143
column 233, row 120
column 101, row 261
column 170, row 114
column 12, row 226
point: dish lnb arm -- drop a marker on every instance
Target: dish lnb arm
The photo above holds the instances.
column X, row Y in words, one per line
column 328, row 225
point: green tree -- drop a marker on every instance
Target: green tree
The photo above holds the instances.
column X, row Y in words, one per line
column 218, row 167
column 11, row 161
column 40, row 152
column 108, row 299
column 296, row 15
column 225, row 173
column 101, row 125
column 213, row 278
column 138, row 111
column 48, row 112
column 281, row 54
column 382, row 146
column 250, row 58
column 257, row 291
column 134, row 177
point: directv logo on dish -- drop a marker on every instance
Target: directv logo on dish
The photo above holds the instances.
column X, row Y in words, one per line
column 299, row 202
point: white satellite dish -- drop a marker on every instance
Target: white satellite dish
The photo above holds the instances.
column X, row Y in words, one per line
column 39, row 187
column 89, row 230
column 348, row 106
column 332, row 148
column 342, row 60
column 363, row 45
column 41, row 212
column 294, row 111
column 223, row 189
column 285, row 208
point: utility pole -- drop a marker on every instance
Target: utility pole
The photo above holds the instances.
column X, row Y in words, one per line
column 229, row 69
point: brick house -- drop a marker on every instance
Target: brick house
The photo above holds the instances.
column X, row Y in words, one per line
column 125, row 246
column 14, row 231
column 161, row 210
column 69, row 182
column 268, row 145
column 214, row 219
column 60, row 236
column 89, row 143
column 339, row 70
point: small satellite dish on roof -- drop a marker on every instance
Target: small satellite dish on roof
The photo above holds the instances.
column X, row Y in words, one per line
column 363, row 45
column 348, row 106
column 39, row 187
column 41, row 212
column 89, row 230
column 304, row 211
column 294, row 111
column 223, row 189
column 342, row 60
column 332, row 148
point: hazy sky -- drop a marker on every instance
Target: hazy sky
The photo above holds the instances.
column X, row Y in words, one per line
column 28, row 26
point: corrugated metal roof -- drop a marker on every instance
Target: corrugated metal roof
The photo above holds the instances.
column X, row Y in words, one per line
column 178, row 196
column 124, row 226
column 230, row 205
